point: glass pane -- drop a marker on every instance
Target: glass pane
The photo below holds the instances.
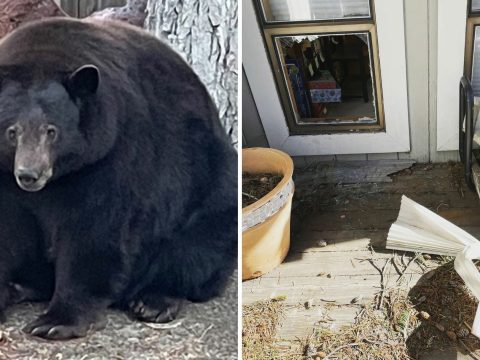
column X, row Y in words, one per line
column 475, row 5
column 328, row 78
column 305, row 10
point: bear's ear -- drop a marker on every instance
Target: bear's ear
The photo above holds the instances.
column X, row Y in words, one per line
column 83, row 81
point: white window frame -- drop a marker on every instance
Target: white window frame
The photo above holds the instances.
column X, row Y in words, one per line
column 391, row 44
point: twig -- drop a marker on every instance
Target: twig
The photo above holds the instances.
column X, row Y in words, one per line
column 382, row 283
column 408, row 265
column 249, row 196
column 468, row 326
column 360, row 314
column 395, row 265
column 403, row 260
column 421, row 261
column 205, row 332
column 340, row 348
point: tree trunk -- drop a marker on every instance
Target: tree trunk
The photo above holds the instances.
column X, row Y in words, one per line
column 205, row 33
column 15, row 12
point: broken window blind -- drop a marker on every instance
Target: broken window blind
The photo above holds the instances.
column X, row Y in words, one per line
column 301, row 10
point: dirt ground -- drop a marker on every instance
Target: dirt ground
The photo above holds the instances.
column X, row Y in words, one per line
column 203, row 331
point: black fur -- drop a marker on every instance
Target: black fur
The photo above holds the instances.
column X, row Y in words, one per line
column 142, row 203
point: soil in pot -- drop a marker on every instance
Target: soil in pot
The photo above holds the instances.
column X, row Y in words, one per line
column 257, row 185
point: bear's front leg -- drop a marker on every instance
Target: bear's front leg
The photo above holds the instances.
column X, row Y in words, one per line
column 89, row 274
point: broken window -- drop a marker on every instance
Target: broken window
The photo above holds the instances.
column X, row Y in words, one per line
column 325, row 64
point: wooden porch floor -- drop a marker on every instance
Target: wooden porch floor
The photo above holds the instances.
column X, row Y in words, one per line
column 354, row 220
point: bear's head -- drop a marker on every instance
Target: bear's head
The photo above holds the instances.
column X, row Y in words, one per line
column 41, row 134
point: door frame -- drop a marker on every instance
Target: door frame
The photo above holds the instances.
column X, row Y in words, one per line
column 391, row 47
column 452, row 22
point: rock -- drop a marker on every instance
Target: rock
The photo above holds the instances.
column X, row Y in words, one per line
column 424, row 315
column 422, row 299
column 15, row 13
column 308, row 304
column 451, row 335
column 356, row 299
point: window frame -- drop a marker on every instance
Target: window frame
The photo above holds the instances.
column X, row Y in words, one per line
column 271, row 30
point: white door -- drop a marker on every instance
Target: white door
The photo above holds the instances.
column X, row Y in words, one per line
column 266, row 31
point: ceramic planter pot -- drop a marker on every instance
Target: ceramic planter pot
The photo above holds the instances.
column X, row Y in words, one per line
column 266, row 223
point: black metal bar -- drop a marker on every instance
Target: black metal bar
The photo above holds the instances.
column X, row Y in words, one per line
column 465, row 143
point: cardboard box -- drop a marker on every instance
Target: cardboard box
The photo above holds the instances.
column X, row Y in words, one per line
column 326, row 95
column 325, row 81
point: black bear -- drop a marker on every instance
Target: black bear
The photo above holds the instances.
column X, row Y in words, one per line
column 118, row 184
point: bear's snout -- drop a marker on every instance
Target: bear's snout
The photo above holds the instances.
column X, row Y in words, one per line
column 27, row 177
column 31, row 179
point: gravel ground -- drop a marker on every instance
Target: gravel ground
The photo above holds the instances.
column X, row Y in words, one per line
column 202, row 331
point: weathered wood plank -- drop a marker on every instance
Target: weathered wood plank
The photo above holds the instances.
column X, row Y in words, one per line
column 300, row 323
column 310, row 264
column 368, row 220
column 341, row 289
column 348, row 240
column 353, row 172
column 360, row 200
column 337, row 241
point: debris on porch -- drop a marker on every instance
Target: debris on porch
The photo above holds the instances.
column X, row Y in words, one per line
column 353, row 298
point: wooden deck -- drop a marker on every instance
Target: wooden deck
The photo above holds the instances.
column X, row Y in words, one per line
column 354, row 220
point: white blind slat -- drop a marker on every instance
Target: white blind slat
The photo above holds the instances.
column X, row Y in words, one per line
column 302, row 10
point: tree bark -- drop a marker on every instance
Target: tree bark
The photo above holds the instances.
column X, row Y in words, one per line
column 133, row 12
column 204, row 32
column 15, row 12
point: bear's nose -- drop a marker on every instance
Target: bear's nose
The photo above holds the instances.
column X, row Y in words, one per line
column 27, row 177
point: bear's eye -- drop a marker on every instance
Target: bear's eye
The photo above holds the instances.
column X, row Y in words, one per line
column 52, row 133
column 12, row 134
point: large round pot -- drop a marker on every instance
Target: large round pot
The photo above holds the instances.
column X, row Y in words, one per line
column 266, row 223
